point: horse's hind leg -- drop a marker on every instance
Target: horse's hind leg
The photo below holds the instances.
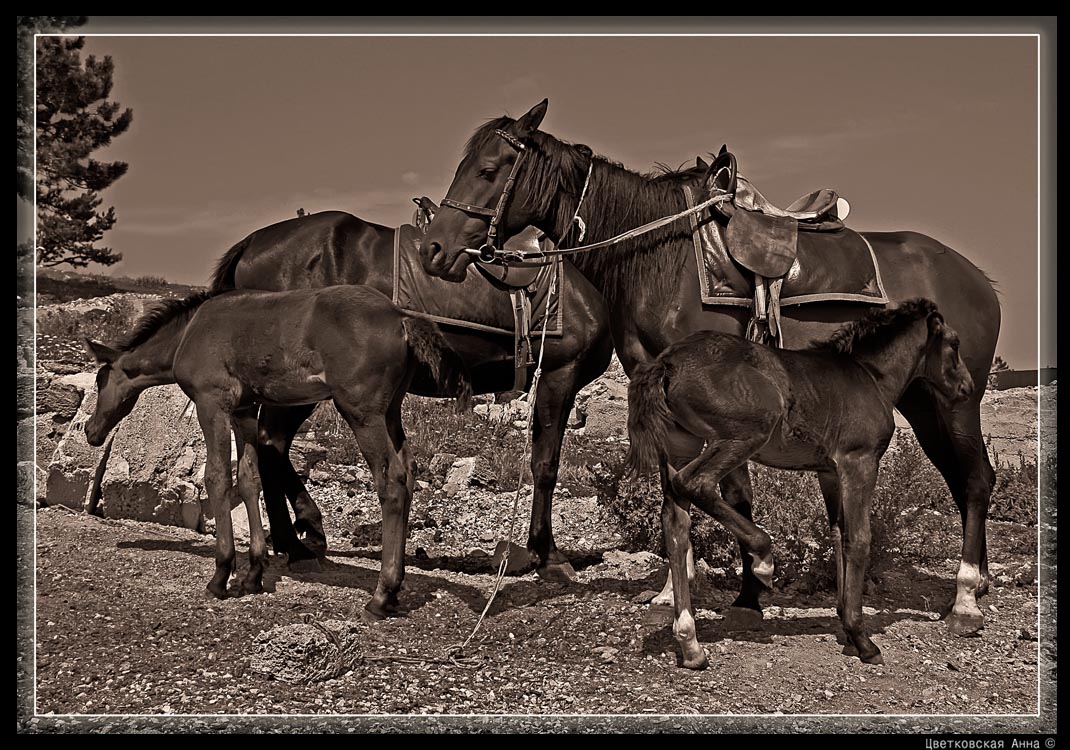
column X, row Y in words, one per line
column 830, row 490
column 245, row 430
column 676, row 527
column 391, row 483
column 952, row 440
column 216, row 428
column 857, row 478
column 746, row 611
column 277, row 427
column 699, row 480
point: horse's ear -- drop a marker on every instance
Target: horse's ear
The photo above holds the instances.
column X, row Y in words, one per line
column 936, row 324
column 530, row 122
column 102, row 353
column 427, row 204
column 701, row 164
column 724, row 149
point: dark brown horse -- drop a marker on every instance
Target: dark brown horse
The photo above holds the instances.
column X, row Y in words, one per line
column 651, row 286
column 826, row 409
column 333, row 247
column 232, row 352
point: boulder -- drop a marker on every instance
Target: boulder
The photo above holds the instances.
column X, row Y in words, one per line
column 150, row 470
column 58, row 396
column 439, row 466
column 73, row 471
column 154, row 470
column 474, row 471
column 606, row 419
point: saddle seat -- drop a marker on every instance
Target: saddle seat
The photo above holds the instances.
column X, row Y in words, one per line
column 822, row 210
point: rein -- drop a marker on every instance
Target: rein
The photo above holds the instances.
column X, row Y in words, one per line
column 490, row 253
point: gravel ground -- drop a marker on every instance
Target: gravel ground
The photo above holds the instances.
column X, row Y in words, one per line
column 123, row 627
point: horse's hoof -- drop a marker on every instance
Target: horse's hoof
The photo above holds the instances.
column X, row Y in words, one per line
column 658, row 615
column 849, row 650
column 371, row 617
column 877, row 658
column 252, row 587
column 697, row 662
column 964, row 624
column 306, row 565
column 215, row 592
column 561, row 572
column 743, row 618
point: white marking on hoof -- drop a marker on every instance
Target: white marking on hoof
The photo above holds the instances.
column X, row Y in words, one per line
column 763, row 569
column 683, row 629
column 968, row 579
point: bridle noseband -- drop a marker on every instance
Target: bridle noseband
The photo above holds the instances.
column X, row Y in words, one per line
column 490, row 249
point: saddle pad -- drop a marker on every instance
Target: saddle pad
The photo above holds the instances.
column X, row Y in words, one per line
column 829, row 266
column 474, row 303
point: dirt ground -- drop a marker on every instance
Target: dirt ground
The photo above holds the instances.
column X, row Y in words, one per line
column 123, row 626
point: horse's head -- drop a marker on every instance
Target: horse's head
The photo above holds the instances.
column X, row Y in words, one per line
column 941, row 366
column 488, row 201
column 116, row 394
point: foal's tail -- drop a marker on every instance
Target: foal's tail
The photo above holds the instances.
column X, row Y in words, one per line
column 446, row 366
column 649, row 418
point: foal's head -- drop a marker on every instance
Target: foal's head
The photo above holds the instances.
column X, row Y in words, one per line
column 941, row 366
column 144, row 360
column 116, row 392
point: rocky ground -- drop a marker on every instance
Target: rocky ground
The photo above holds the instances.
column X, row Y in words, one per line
column 122, row 625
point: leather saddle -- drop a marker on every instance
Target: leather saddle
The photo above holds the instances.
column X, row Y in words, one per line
column 763, row 238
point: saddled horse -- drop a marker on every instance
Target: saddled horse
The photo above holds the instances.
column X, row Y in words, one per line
column 331, row 248
column 826, row 409
column 651, row 285
column 231, row 352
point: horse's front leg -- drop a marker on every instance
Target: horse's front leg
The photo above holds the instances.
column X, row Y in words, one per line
column 215, row 424
column 857, row 478
column 392, row 484
column 553, row 402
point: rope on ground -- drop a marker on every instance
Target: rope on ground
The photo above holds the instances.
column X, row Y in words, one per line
column 457, row 650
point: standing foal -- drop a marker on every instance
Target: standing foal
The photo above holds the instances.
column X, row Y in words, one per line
column 826, row 409
column 233, row 351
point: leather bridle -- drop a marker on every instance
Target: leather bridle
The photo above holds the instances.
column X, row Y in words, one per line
column 490, row 250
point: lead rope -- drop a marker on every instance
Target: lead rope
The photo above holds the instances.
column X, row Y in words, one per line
column 456, row 651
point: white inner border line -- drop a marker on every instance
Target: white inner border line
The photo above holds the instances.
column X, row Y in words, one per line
column 36, row 714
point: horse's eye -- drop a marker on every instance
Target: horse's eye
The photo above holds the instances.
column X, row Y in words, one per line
column 487, row 173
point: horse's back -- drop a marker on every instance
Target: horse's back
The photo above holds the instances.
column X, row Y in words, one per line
column 318, row 250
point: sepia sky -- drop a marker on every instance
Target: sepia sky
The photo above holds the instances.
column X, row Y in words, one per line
column 937, row 135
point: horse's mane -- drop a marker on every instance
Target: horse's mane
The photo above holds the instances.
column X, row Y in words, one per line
column 882, row 323
column 161, row 314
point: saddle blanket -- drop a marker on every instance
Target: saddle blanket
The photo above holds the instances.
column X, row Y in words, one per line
column 829, row 266
column 473, row 303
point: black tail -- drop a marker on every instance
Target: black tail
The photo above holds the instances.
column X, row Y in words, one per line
column 223, row 276
column 649, row 418
column 447, row 367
